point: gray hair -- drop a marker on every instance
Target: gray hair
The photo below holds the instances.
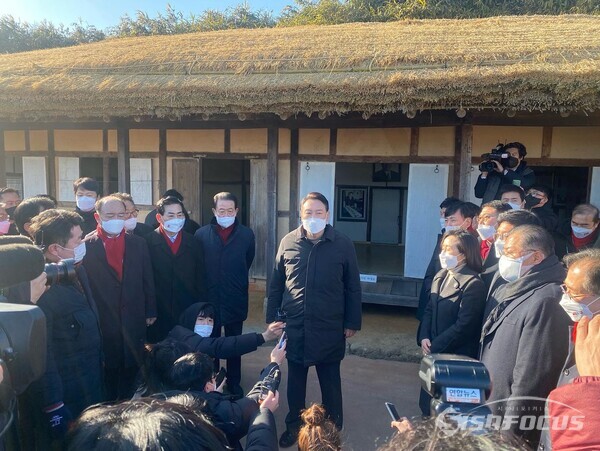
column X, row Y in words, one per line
column 587, row 209
column 591, row 259
column 534, row 237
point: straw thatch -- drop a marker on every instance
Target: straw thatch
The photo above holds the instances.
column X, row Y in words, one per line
column 524, row 63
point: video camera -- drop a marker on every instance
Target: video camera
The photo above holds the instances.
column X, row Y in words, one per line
column 498, row 154
column 457, row 384
column 60, row 272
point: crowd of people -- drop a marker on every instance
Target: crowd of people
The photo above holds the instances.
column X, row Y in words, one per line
column 134, row 333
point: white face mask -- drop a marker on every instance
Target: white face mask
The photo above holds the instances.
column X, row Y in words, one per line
column 443, row 223
column 448, row 261
column 85, row 203
column 225, row 221
column 314, row 225
column 174, row 225
column 130, row 223
column 78, row 252
column 576, row 310
column 114, row 226
column 499, row 247
column 512, row 269
column 581, row 232
column 486, row 231
column 514, row 206
column 4, row 226
column 204, row 330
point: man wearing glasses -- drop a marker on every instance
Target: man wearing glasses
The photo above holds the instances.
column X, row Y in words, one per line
column 131, row 213
column 229, row 249
column 120, row 273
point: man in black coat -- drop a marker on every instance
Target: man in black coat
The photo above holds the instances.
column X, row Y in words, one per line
column 316, row 281
column 489, row 184
column 120, row 273
column 87, row 192
column 178, row 264
column 190, row 226
column 524, row 340
column 73, row 377
column 581, row 297
column 229, row 249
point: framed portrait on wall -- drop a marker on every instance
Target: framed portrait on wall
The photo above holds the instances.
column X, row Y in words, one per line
column 352, row 205
column 386, row 172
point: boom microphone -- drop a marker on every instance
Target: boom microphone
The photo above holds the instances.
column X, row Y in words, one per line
column 19, row 263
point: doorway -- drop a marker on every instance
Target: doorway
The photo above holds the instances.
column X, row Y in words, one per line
column 225, row 175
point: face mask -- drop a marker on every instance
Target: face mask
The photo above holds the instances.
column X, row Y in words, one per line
column 512, row 268
column 486, row 231
column 531, row 201
column 79, row 252
column 204, row 330
column 85, row 203
column 114, row 226
column 576, row 310
column 130, row 223
column 225, row 221
column 174, row 225
column 314, row 225
column 448, row 261
column 443, row 223
column 499, row 247
column 452, row 228
column 4, row 226
column 514, row 206
column 10, row 211
column 581, row 232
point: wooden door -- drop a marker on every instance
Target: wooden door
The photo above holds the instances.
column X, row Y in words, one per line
column 186, row 180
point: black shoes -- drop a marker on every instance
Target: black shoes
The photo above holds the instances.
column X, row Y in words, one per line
column 287, row 439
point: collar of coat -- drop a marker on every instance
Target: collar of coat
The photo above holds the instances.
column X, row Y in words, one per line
column 548, row 271
column 328, row 234
column 458, row 276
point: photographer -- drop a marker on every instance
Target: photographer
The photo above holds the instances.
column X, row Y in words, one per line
column 512, row 170
column 73, row 378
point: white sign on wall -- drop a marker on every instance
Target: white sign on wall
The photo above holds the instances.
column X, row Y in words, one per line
column 141, row 180
column 34, row 176
column 427, row 187
column 319, row 177
column 68, row 172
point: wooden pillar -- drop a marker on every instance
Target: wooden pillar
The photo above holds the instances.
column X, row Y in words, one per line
column 462, row 161
column 51, row 164
column 2, row 160
column 162, row 161
column 123, row 160
column 272, row 151
column 294, row 210
column 105, row 164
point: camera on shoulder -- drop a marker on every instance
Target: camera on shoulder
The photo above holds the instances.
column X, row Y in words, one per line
column 63, row 271
column 500, row 155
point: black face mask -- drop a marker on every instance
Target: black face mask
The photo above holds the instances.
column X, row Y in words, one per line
column 11, row 212
column 531, row 201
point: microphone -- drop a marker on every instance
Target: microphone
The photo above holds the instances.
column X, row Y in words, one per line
column 19, row 263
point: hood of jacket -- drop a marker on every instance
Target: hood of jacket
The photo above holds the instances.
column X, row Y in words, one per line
column 189, row 315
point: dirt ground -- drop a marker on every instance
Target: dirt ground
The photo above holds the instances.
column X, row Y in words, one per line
column 387, row 332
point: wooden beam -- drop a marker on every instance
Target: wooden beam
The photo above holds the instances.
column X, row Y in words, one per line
column 51, row 164
column 28, row 141
column 294, row 146
column 105, row 164
column 546, row 142
column 272, row 151
column 333, row 141
column 162, row 161
column 123, row 160
column 414, row 141
column 227, row 140
column 2, row 160
column 462, row 161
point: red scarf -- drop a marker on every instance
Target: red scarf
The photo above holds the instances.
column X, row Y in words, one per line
column 574, row 332
column 225, row 233
column 115, row 250
column 173, row 245
column 484, row 249
column 581, row 243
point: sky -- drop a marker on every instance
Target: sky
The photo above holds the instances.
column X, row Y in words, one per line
column 106, row 13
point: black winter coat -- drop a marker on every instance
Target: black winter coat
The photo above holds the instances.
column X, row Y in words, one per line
column 179, row 280
column 219, row 347
column 74, row 358
column 89, row 220
column 227, row 267
column 452, row 319
column 123, row 306
column 525, row 349
column 318, row 285
column 432, row 269
column 488, row 189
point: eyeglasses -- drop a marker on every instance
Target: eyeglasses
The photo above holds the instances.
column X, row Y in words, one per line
column 565, row 290
column 132, row 213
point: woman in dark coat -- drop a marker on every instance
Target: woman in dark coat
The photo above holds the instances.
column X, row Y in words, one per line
column 452, row 319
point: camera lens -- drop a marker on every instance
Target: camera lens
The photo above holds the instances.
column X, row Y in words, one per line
column 59, row 272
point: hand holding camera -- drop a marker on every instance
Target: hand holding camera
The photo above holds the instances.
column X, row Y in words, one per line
column 497, row 160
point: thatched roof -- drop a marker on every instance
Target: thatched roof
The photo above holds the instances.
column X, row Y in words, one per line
column 525, row 63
